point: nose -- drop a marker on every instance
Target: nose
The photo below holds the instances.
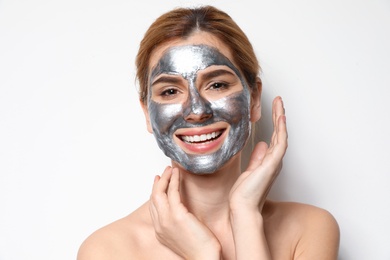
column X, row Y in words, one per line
column 196, row 108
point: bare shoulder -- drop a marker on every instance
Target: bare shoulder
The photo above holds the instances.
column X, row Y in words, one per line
column 117, row 240
column 310, row 232
column 303, row 214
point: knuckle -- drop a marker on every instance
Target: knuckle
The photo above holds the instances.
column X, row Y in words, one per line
column 156, row 198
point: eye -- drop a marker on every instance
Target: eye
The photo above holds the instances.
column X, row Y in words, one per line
column 169, row 92
column 218, row 86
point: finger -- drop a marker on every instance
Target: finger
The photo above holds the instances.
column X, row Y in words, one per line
column 153, row 211
column 159, row 196
column 174, row 188
column 162, row 185
column 274, row 116
column 156, row 179
column 282, row 135
column 278, row 111
column 257, row 155
column 152, row 207
column 281, row 128
column 275, row 153
column 274, row 110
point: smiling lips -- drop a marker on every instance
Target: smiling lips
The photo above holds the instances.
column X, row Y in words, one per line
column 200, row 138
column 202, row 143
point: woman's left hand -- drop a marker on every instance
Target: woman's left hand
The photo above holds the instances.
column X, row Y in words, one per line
column 248, row 194
column 252, row 187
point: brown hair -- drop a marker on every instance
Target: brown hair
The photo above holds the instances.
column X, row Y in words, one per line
column 181, row 23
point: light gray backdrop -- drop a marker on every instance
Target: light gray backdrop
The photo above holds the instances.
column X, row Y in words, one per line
column 74, row 151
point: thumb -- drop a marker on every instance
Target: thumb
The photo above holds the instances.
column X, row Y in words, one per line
column 257, row 156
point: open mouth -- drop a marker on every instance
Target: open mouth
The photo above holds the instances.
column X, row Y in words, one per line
column 203, row 138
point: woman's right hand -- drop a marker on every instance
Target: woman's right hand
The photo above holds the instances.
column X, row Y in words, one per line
column 175, row 226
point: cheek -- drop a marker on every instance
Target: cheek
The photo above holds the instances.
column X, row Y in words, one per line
column 233, row 108
column 162, row 117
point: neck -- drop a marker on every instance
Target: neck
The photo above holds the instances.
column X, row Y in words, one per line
column 207, row 196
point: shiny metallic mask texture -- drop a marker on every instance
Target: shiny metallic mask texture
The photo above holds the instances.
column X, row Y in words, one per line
column 165, row 119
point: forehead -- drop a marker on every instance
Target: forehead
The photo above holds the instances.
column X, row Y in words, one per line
column 212, row 47
column 187, row 60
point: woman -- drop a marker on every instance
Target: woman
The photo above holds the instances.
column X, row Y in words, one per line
column 200, row 92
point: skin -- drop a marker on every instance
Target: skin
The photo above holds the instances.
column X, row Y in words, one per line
column 224, row 215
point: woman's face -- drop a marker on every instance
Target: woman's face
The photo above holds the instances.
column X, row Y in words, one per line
column 198, row 105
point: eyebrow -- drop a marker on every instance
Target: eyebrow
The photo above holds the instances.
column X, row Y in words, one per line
column 205, row 76
column 167, row 79
column 216, row 73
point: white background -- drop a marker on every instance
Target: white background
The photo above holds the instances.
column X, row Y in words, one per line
column 74, row 151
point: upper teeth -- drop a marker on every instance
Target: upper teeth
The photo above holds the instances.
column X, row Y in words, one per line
column 200, row 138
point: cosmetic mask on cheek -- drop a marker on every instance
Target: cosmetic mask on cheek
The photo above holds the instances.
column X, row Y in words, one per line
column 166, row 119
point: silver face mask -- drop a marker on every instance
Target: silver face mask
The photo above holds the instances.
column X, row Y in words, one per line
column 234, row 109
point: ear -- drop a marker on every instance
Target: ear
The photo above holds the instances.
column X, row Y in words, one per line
column 256, row 101
column 146, row 113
